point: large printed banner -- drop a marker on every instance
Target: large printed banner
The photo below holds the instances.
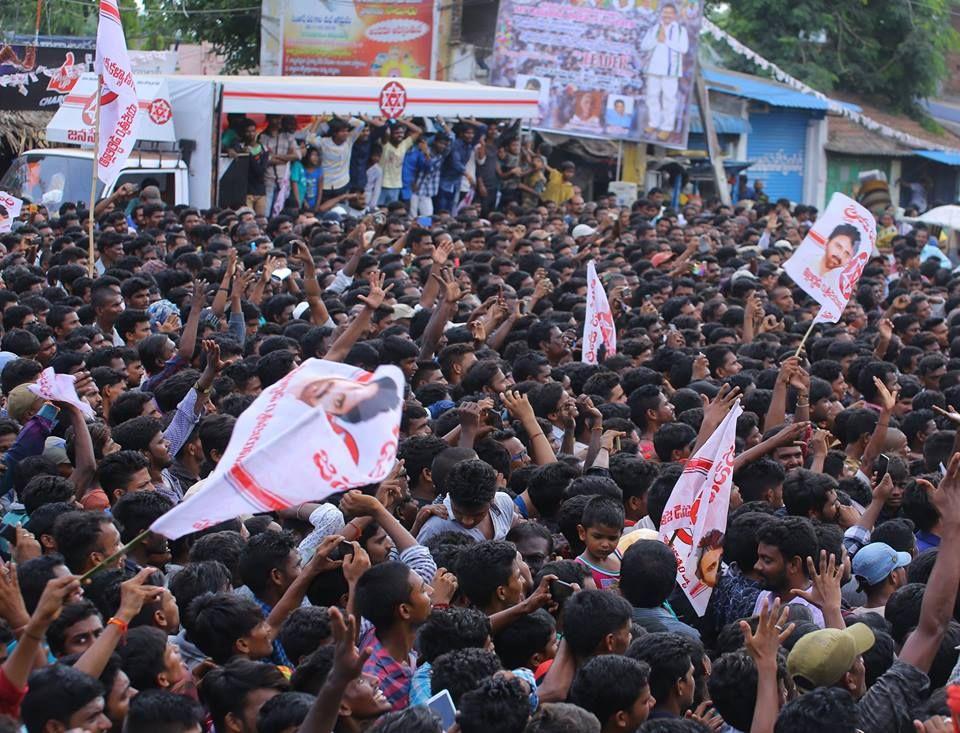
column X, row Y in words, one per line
column 39, row 77
column 344, row 38
column 323, row 428
column 829, row 261
column 620, row 69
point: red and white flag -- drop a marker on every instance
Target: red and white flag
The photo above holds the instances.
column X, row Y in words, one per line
column 323, row 428
column 830, row 259
column 118, row 94
column 10, row 207
column 695, row 518
column 598, row 325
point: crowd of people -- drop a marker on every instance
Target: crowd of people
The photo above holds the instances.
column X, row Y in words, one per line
column 354, row 165
column 510, row 567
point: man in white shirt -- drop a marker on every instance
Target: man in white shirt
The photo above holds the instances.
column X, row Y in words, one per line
column 335, row 150
column 667, row 42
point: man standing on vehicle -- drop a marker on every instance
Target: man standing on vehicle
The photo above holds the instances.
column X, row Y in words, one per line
column 282, row 148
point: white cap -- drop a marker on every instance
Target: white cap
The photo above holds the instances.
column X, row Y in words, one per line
column 582, row 230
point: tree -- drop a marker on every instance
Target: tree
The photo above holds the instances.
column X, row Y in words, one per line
column 233, row 31
column 891, row 52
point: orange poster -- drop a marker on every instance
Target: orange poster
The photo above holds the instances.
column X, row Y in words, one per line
column 344, row 38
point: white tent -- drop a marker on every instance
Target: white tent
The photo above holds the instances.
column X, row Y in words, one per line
column 389, row 97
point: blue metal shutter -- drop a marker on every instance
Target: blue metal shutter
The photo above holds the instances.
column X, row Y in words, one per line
column 777, row 145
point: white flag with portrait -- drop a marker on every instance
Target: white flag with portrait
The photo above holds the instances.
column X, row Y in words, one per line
column 695, row 517
column 830, row 259
column 323, row 428
column 598, row 326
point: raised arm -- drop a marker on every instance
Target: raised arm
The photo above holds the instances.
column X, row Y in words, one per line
column 373, row 300
column 86, row 462
column 318, row 311
column 188, row 341
column 219, row 305
column 936, row 609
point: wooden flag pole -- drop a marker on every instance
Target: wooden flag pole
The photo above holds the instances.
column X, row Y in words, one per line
column 806, row 336
column 119, row 553
column 91, row 256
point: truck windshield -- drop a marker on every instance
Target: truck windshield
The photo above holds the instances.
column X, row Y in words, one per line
column 50, row 179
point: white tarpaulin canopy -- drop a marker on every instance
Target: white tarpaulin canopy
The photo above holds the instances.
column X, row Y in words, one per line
column 74, row 120
column 374, row 96
column 947, row 217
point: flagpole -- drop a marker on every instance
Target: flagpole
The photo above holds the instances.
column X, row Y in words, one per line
column 93, row 181
column 115, row 556
column 805, row 337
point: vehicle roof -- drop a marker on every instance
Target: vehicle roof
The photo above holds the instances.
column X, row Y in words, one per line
column 165, row 160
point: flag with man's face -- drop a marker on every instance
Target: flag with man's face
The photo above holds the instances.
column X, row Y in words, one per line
column 598, row 327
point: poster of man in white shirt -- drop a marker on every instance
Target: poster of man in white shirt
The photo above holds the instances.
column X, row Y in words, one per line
column 666, row 43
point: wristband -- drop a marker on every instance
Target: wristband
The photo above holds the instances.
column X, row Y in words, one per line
column 120, row 624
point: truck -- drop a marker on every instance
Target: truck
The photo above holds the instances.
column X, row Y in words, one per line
column 181, row 118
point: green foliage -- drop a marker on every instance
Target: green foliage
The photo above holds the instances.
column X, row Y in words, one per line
column 233, row 27
column 890, row 52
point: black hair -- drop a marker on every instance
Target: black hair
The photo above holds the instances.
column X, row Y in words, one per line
column 669, row 658
column 56, row 692
column 262, row 554
column 380, row 590
column 472, row 484
column 608, row 684
column 758, row 477
column 72, row 613
column 496, row 705
column 196, row 578
column 304, row 631
column 138, row 510
column 224, row 689
column 825, row 709
column 417, row 719
column 116, row 470
column 517, row 643
column 562, row 717
column 547, row 486
column 792, row 536
column 903, row 610
column 284, row 711
column 33, row 576
column 76, row 535
column 672, row 436
column 648, row 572
column 484, row 567
column 159, row 711
column 215, row 621
column 805, row 492
column 45, row 489
column 461, row 670
column 601, row 511
column 225, row 546
column 142, row 655
column 589, row 616
column 452, row 628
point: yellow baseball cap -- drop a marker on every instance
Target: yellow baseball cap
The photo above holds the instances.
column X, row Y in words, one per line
column 822, row 657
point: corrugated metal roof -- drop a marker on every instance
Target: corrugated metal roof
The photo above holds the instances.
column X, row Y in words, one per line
column 940, row 156
column 725, row 124
column 761, row 90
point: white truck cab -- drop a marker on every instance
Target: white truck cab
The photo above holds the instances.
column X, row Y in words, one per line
column 54, row 176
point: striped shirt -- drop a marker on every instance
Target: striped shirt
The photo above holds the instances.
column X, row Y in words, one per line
column 336, row 158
